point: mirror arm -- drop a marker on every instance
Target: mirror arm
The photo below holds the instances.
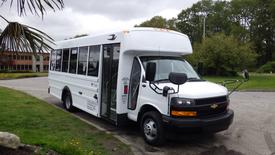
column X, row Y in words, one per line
column 236, row 87
column 178, row 89
column 156, row 88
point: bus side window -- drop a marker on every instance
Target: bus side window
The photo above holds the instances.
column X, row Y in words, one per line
column 93, row 63
column 53, row 58
column 58, row 60
column 65, row 60
column 82, row 60
column 73, row 60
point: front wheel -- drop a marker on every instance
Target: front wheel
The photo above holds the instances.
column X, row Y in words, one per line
column 152, row 129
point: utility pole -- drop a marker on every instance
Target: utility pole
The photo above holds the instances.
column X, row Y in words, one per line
column 204, row 18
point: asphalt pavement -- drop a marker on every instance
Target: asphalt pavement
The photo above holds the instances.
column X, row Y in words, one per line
column 252, row 131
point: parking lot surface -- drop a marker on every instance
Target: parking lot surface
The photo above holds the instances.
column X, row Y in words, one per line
column 252, row 131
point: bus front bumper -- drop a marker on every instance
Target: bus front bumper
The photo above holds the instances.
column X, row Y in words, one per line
column 213, row 124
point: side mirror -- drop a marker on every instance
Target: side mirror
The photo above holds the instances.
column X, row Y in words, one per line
column 150, row 71
column 245, row 74
column 177, row 78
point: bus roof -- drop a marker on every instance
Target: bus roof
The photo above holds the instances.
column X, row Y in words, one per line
column 141, row 40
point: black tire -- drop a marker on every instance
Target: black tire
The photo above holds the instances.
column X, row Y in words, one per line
column 150, row 122
column 68, row 102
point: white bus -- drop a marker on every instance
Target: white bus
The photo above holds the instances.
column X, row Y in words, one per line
column 138, row 75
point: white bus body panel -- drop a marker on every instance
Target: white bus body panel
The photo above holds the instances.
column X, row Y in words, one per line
column 88, row 86
column 133, row 42
column 157, row 42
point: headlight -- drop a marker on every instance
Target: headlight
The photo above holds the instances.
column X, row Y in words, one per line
column 182, row 101
column 228, row 99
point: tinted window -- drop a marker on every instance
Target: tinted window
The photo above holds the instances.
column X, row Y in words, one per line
column 65, row 60
column 93, row 60
column 134, row 85
column 53, row 58
column 58, row 60
column 73, row 60
column 82, row 60
column 37, row 58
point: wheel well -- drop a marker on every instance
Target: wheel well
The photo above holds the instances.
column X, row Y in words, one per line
column 144, row 109
column 64, row 92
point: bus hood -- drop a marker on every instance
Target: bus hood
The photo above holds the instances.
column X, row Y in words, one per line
column 197, row 89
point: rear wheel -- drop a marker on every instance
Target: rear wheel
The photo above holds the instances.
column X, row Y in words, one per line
column 67, row 102
column 152, row 129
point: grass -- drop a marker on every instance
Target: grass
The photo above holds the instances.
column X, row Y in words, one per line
column 38, row 123
column 256, row 81
column 6, row 76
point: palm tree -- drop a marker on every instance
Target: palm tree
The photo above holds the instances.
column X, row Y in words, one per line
column 19, row 37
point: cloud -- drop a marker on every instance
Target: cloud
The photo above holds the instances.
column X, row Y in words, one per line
column 82, row 16
column 128, row 9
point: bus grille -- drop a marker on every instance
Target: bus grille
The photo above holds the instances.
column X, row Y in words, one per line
column 211, row 100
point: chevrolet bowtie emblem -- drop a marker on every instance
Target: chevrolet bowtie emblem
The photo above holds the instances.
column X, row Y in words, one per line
column 214, row 106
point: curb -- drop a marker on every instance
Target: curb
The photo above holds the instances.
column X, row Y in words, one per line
column 257, row 90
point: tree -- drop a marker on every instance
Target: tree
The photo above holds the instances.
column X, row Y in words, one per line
column 159, row 22
column 80, row 35
column 263, row 30
column 257, row 20
column 77, row 36
column 18, row 37
column 249, row 21
column 222, row 55
column 216, row 16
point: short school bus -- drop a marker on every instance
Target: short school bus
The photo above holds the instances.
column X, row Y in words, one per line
column 138, row 75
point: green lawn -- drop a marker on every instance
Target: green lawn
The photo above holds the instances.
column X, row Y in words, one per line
column 256, row 82
column 6, row 76
column 38, row 123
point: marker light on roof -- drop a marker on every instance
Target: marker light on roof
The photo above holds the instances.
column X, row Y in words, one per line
column 126, row 32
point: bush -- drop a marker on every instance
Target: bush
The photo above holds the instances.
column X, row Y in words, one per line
column 15, row 71
column 222, row 55
column 267, row 68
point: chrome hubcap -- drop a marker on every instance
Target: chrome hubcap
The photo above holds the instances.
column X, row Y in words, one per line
column 150, row 129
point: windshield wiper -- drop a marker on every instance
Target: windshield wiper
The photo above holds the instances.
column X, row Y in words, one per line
column 194, row 79
column 161, row 80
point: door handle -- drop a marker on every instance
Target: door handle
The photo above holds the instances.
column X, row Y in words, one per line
column 80, row 92
column 95, row 96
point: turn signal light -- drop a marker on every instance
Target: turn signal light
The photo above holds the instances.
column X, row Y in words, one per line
column 184, row 113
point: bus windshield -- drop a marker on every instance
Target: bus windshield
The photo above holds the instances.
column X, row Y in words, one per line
column 166, row 65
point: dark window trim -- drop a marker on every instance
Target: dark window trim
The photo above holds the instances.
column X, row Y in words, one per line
column 68, row 60
column 87, row 59
column 129, row 89
column 98, row 65
column 69, row 69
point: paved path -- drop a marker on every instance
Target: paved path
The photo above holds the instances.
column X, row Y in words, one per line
column 252, row 132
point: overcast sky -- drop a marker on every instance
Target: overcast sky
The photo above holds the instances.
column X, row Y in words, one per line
column 96, row 16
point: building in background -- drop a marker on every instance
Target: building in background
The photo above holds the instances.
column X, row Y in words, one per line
column 24, row 61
